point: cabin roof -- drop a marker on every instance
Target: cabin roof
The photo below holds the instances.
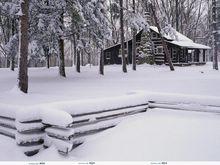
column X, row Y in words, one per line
column 128, row 40
column 190, row 45
column 181, row 40
column 179, row 36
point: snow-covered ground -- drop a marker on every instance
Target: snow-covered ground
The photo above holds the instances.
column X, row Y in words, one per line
column 157, row 135
column 46, row 86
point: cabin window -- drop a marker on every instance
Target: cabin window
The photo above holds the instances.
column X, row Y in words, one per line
column 174, row 55
column 138, row 44
column 182, row 56
column 120, row 53
column 154, row 35
column 160, row 50
column 108, row 55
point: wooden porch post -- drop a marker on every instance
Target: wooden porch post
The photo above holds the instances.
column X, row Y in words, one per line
column 186, row 55
column 204, row 55
column 178, row 55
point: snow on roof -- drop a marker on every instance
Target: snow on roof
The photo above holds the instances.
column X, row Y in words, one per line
column 181, row 40
column 191, row 45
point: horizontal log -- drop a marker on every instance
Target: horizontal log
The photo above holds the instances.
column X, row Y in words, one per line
column 29, row 127
column 7, row 132
column 107, row 110
column 182, row 103
column 32, row 121
column 9, row 118
column 89, row 127
column 33, row 131
column 108, row 117
column 29, row 138
column 7, row 125
column 186, row 107
column 92, row 131
column 31, row 153
column 32, row 143
column 28, row 150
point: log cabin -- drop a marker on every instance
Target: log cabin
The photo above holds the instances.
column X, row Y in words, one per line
column 183, row 50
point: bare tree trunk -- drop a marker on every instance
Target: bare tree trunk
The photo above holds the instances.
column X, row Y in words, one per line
column 82, row 58
column 134, row 43
column 61, row 58
column 61, row 53
column 12, row 63
column 6, row 61
column 78, row 60
column 168, row 57
column 74, row 48
column 101, row 62
column 127, row 31
column 177, row 14
column 12, row 60
column 124, row 67
column 215, row 35
column 23, row 48
column 46, row 54
column 48, row 61
column 71, row 52
column 78, row 55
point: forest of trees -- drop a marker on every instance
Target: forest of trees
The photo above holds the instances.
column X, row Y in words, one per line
column 37, row 31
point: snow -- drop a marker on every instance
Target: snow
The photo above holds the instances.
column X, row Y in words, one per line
column 8, row 110
column 63, row 146
column 193, row 99
column 92, row 105
column 23, row 138
column 180, row 37
column 96, row 116
column 181, row 40
column 10, row 123
column 46, row 86
column 8, row 131
column 28, row 126
column 60, row 132
column 56, row 117
column 191, row 45
column 158, row 134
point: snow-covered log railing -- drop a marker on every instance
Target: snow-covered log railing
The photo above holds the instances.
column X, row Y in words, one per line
column 26, row 129
column 29, row 135
column 185, row 106
column 65, row 124
column 7, row 126
column 173, row 101
column 87, row 122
